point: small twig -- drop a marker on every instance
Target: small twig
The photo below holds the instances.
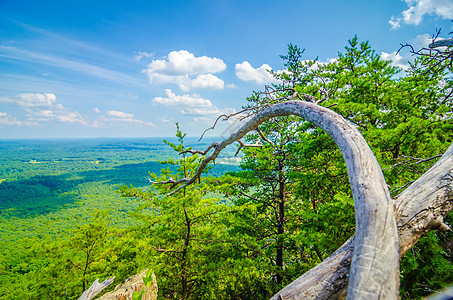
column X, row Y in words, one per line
column 213, row 145
column 75, row 265
column 242, row 144
column 171, row 180
column 401, row 187
column 263, row 136
column 411, row 159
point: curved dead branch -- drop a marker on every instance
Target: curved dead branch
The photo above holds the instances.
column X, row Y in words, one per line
column 374, row 273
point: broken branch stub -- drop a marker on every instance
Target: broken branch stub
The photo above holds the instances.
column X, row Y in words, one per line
column 441, row 43
column 374, row 272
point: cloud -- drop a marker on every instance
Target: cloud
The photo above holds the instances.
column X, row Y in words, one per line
column 166, row 119
column 119, row 114
column 183, row 62
column 418, row 8
column 122, row 117
column 73, row 65
column 70, row 117
column 187, row 83
column 190, row 104
column 58, row 113
column 245, row 72
column 129, row 96
column 6, row 119
column 422, row 41
column 402, row 59
column 96, row 110
column 31, row 100
column 205, row 81
column 187, row 71
column 43, row 107
column 231, row 86
column 319, row 64
column 396, row 59
column 184, row 100
column 140, row 54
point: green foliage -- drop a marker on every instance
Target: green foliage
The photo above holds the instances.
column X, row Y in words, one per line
column 45, row 218
column 427, row 267
column 149, row 287
column 240, row 236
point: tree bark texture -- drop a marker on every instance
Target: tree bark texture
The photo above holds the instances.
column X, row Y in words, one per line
column 419, row 209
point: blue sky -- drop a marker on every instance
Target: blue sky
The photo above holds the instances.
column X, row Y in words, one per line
column 134, row 68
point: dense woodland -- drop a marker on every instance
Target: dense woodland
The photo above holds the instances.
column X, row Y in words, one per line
column 243, row 234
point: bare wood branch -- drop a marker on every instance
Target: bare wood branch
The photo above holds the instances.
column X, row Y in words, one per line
column 96, row 288
column 419, row 209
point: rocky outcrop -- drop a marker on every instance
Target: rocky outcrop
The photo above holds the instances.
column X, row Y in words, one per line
column 134, row 283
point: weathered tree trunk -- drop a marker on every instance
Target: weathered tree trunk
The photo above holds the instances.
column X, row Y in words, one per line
column 280, row 222
column 419, row 209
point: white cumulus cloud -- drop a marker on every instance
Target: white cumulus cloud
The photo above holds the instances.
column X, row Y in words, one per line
column 419, row 8
column 395, row 59
column 123, row 117
column 190, row 104
column 43, row 107
column 70, row 117
column 58, row 113
column 119, row 114
column 205, row 81
column 183, row 62
column 184, row 100
column 187, row 71
column 6, row 119
column 31, row 99
column 245, row 72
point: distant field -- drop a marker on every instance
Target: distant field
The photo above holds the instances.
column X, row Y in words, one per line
column 61, row 182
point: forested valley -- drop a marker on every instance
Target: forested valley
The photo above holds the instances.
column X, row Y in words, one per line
column 77, row 210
